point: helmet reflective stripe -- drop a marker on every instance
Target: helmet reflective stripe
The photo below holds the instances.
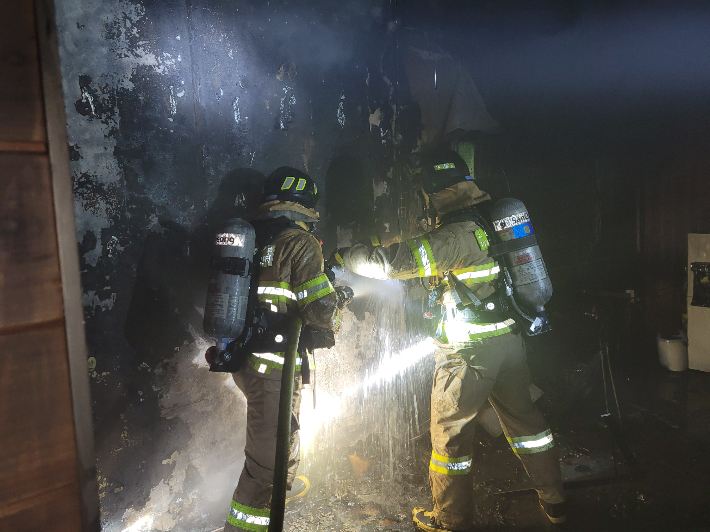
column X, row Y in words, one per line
column 444, row 166
column 313, row 289
column 532, row 444
column 248, row 518
column 301, row 184
column 423, row 256
column 288, row 182
column 452, row 466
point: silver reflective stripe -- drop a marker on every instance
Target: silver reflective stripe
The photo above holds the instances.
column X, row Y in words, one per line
column 425, row 258
column 251, row 519
column 454, row 467
column 474, row 328
column 534, row 444
column 275, row 358
column 271, row 290
column 478, row 274
column 270, row 356
column 312, row 290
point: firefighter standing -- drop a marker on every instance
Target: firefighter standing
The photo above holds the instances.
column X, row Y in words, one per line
column 475, row 361
column 291, row 281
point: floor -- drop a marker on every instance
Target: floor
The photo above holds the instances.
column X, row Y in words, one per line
column 665, row 424
column 368, row 465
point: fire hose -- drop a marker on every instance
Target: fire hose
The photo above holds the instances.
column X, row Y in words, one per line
column 283, row 432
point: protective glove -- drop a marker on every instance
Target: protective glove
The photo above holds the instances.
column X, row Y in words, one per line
column 344, row 294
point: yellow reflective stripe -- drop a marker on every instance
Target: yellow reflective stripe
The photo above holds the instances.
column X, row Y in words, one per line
column 265, row 362
column 317, row 295
column 423, row 256
column 288, row 182
column 415, row 251
column 275, row 284
column 459, row 331
column 338, row 258
column 482, row 276
column 473, row 275
column 430, row 255
column 375, row 241
column 316, row 280
column 450, row 459
column 301, row 184
column 444, row 166
column 475, row 268
column 271, row 300
column 452, row 466
column 276, row 291
column 314, row 289
column 248, row 518
column 532, row 444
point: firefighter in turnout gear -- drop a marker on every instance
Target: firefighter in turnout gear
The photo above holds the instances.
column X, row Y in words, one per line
column 477, row 360
column 291, row 281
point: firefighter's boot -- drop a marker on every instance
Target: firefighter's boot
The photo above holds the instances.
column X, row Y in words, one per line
column 555, row 512
column 426, row 521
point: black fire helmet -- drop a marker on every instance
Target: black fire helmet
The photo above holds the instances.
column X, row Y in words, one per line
column 289, row 184
column 440, row 169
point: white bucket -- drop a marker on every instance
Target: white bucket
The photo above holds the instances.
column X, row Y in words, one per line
column 673, row 353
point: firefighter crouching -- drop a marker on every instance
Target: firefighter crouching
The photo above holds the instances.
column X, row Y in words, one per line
column 476, row 360
column 291, row 281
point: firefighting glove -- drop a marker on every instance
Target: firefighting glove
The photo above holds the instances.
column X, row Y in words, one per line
column 344, row 294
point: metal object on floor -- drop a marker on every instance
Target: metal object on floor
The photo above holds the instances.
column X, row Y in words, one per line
column 283, row 432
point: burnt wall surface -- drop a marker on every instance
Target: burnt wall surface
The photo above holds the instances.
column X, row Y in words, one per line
column 177, row 109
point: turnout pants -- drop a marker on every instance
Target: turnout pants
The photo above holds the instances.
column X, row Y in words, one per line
column 494, row 369
column 251, row 501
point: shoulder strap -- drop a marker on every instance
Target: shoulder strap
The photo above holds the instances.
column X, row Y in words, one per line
column 267, row 230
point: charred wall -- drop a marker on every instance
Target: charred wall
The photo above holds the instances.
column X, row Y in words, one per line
column 177, row 110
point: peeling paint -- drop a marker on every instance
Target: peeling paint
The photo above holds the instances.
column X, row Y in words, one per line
column 341, row 111
column 375, row 118
column 379, row 188
column 285, row 116
column 235, row 108
column 91, row 300
column 173, row 102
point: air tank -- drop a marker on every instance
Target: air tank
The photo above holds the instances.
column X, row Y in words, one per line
column 531, row 283
column 231, row 265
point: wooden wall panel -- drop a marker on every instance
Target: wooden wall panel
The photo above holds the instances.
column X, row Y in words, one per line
column 47, row 473
column 37, row 441
column 30, row 284
column 60, row 507
column 21, row 118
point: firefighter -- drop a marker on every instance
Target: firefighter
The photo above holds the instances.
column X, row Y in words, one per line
column 475, row 361
column 291, row 281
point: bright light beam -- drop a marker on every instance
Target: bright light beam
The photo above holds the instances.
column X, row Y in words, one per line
column 143, row 524
column 329, row 407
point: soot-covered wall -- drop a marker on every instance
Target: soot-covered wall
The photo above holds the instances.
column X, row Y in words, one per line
column 176, row 111
column 178, row 108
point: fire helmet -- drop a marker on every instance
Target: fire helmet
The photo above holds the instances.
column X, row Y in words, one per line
column 440, row 169
column 289, row 184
